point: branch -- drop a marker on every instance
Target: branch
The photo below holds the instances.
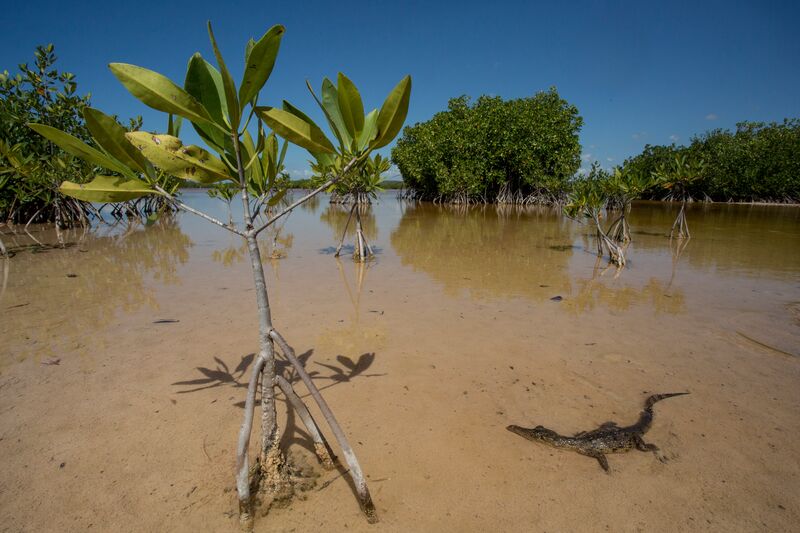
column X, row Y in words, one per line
column 308, row 196
column 192, row 210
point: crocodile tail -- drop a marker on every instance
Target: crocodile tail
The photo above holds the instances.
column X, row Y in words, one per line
column 648, row 404
column 646, row 416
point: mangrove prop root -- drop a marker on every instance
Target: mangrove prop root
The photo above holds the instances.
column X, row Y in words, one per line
column 344, row 233
column 242, row 463
column 321, row 447
column 365, row 500
column 620, row 230
column 615, row 252
column 681, row 224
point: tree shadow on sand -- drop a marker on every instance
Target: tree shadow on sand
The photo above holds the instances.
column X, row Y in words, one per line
column 223, row 376
column 294, row 433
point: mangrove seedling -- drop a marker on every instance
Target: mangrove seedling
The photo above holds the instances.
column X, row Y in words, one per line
column 587, row 200
column 623, row 187
column 677, row 177
column 220, row 113
column 344, row 111
column 360, row 188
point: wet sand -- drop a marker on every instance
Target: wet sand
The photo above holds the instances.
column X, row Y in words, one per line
column 112, row 422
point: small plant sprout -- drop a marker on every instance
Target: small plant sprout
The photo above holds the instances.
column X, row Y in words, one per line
column 622, row 188
column 587, row 200
column 358, row 189
column 222, row 113
column 677, row 177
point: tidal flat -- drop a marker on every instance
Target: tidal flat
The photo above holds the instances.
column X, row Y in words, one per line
column 123, row 359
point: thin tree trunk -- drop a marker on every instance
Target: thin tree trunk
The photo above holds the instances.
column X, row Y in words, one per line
column 271, row 456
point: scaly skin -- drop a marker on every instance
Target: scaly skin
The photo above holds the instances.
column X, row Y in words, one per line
column 608, row 438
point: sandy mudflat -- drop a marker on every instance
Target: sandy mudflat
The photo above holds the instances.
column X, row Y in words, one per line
column 95, row 432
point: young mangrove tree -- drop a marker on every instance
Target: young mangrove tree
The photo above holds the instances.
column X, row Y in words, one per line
column 220, row 113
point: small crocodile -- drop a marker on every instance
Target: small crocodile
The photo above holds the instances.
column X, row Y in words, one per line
column 608, row 438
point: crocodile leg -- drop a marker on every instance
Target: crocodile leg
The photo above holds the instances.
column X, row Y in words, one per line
column 600, row 458
column 641, row 445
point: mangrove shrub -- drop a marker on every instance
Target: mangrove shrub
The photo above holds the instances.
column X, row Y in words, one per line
column 31, row 168
column 493, row 150
column 757, row 162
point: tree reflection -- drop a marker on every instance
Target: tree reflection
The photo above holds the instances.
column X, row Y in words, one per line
column 490, row 252
column 739, row 238
column 58, row 296
column 590, row 294
column 336, row 217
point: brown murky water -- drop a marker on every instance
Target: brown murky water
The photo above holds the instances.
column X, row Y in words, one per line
column 123, row 359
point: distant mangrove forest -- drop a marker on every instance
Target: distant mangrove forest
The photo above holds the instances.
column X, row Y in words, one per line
column 490, row 150
column 527, row 151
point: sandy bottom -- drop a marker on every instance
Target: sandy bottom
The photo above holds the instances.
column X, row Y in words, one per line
column 111, row 422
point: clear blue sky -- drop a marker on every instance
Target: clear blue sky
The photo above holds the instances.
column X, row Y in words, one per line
column 639, row 72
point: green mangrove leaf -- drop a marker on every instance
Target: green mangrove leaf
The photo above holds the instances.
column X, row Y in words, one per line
column 111, row 137
column 174, row 125
column 277, row 197
column 304, row 134
column 370, row 130
column 283, row 153
column 234, row 113
column 250, row 153
column 296, row 112
column 324, row 160
column 260, row 61
column 172, row 156
column 393, row 113
column 107, row 189
column 330, row 104
column 271, row 152
column 78, row 148
column 204, row 82
column 350, row 105
column 248, row 48
column 159, row 92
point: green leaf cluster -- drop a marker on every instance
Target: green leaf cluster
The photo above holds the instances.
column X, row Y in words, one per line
column 527, row 145
column 756, row 162
column 220, row 112
column 30, row 167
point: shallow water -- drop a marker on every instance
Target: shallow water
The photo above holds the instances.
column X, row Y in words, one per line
column 121, row 343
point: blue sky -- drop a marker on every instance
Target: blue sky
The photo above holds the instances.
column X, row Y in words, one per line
column 639, row 72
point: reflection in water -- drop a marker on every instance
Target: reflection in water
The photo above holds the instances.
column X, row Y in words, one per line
column 6, row 269
column 362, row 329
column 338, row 217
column 312, row 204
column 591, row 293
column 274, row 245
column 492, row 253
column 90, row 279
column 512, row 253
column 749, row 239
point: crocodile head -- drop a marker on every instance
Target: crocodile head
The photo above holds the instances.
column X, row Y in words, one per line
column 539, row 433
